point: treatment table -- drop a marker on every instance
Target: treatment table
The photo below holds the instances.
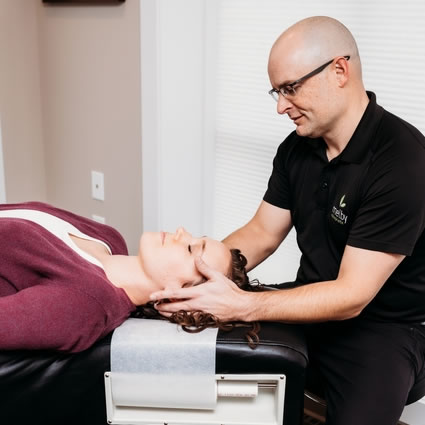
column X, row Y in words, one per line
column 46, row 388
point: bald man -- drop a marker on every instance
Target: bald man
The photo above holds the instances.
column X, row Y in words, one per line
column 351, row 180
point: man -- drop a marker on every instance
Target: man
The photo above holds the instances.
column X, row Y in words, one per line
column 351, row 179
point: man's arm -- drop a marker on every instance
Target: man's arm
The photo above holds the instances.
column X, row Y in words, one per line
column 262, row 235
column 361, row 276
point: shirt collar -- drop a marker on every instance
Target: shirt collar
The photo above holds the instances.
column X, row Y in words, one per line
column 361, row 140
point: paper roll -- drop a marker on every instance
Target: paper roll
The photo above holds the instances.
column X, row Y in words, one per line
column 155, row 363
column 237, row 389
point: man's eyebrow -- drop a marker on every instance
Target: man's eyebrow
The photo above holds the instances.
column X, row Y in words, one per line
column 285, row 83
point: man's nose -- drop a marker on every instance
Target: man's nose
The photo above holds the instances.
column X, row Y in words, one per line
column 283, row 104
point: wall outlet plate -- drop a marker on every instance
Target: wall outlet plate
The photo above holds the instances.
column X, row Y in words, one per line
column 97, row 185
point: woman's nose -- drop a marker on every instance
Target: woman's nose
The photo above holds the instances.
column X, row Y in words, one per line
column 180, row 233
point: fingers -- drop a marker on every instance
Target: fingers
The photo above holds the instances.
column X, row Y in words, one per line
column 216, row 297
column 205, row 269
column 160, row 295
column 182, row 293
column 165, row 314
column 175, row 294
column 166, row 309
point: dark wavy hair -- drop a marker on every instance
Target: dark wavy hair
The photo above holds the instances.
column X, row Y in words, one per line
column 196, row 321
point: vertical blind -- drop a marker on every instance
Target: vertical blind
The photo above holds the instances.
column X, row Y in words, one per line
column 391, row 39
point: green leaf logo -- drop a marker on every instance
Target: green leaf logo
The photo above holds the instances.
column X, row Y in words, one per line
column 342, row 204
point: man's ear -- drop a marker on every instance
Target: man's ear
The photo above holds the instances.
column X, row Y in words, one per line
column 342, row 71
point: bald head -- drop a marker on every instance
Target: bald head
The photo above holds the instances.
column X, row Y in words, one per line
column 319, row 88
column 313, row 41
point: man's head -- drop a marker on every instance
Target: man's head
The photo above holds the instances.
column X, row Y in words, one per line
column 317, row 100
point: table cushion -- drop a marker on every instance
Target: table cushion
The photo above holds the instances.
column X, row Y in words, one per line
column 47, row 388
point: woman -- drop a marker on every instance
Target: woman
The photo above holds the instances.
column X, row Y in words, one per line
column 66, row 281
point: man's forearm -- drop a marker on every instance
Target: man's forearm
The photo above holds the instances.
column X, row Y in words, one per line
column 362, row 274
column 316, row 302
column 260, row 237
column 253, row 245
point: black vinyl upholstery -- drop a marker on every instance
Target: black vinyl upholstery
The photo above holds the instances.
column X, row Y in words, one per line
column 45, row 388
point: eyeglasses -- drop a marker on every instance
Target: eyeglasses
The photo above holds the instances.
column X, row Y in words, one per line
column 288, row 90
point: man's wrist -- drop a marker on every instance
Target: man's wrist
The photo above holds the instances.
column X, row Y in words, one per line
column 248, row 310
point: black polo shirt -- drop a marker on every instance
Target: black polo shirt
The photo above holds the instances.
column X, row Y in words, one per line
column 371, row 196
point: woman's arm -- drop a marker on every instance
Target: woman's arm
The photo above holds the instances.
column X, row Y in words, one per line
column 52, row 318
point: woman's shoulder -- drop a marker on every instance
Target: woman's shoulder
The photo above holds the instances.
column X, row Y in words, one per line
column 106, row 233
column 33, row 205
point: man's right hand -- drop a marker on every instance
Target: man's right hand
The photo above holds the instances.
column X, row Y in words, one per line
column 218, row 296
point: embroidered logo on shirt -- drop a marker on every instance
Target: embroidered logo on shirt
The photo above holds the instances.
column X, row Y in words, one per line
column 338, row 214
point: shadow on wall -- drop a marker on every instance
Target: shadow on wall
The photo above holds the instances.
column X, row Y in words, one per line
column 2, row 184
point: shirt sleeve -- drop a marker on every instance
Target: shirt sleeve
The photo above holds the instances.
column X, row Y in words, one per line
column 278, row 193
column 391, row 216
column 51, row 318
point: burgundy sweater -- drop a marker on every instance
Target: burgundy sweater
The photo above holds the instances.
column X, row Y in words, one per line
column 51, row 297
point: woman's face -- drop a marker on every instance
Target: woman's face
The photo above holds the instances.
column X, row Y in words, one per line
column 168, row 259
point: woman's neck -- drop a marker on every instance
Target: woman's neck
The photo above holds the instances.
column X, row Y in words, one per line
column 122, row 271
column 126, row 272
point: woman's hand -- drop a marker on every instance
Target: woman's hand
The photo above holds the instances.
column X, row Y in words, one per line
column 218, row 296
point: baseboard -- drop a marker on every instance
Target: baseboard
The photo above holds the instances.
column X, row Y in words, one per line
column 414, row 414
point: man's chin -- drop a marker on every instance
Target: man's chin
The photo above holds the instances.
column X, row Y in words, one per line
column 305, row 131
column 302, row 131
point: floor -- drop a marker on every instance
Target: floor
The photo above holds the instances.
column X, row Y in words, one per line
column 314, row 412
column 309, row 420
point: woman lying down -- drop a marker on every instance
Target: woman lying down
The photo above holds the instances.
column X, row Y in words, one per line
column 67, row 281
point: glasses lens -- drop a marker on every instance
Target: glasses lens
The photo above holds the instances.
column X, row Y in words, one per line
column 274, row 94
column 289, row 91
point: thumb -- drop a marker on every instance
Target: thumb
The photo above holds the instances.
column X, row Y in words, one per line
column 204, row 268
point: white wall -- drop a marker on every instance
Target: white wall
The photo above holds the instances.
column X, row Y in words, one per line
column 173, row 87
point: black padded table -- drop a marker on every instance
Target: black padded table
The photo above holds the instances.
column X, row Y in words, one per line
column 46, row 388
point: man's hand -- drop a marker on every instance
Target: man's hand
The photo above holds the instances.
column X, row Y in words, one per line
column 218, row 296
